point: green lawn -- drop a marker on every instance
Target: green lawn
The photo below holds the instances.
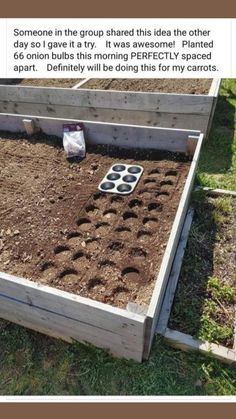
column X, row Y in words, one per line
column 31, row 363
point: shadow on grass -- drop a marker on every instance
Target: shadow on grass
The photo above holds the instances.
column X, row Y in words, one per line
column 34, row 364
column 217, row 154
column 196, row 269
column 201, row 307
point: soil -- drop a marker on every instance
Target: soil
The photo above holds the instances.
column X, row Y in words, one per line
column 210, row 253
column 59, row 229
column 190, row 86
column 44, row 82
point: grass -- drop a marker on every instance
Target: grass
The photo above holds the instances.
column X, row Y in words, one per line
column 217, row 166
column 208, row 311
column 33, row 364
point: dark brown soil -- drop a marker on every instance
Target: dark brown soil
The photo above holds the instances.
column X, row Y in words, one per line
column 191, row 86
column 57, row 228
column 45, row 82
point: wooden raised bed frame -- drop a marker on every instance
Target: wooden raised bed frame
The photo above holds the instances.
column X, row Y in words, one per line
column 71, row 317
column 170, row 110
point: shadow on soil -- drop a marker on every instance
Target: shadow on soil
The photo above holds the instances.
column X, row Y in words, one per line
column 10, row 81
column 106, row 149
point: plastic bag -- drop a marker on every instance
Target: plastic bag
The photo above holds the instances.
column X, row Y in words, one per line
column 73, row 141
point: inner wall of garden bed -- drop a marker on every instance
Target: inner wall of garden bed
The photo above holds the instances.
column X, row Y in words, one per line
column 59, row 230
column 146, row 106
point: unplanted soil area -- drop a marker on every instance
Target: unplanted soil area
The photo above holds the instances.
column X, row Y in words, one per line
column 189, row 86
column 59, row 229
column 44, row 82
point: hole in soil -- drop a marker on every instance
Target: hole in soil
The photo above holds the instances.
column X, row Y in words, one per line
column 47, row 265
column 147, row 181
column 82, row 221
column 128, row 214
column 150, row 221
column 154, row 206
column 154, row 172
column 146, row 194
column 122, row 229
column 67, row 272
column 92, row 244
column 102, row 227
column 116, row 198
column 91, row 209
column 106, row 262
column 135, row 203
column 171, row 173
column 84, row 224
column 73, row 234
column 143, row 234
column 94, row 282
column 162, row 193
column 99, row 196
column 131, row 274
column 78, row 255
column 119, row 289
column 138, row 252
column 60, row 249
column 116, row 246
column 109, row 213
column 166, row 182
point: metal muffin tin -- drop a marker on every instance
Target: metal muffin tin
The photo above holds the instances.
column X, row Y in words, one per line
column 121, row 178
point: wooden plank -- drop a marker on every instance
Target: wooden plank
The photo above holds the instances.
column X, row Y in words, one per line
column 161, row 282
column 174, row 275
column 71, row 316
column 76, row 86
column 214, row 92
column 191, row 145
column 56, row 326
column 157, row 102
column 106, row 133
column 120, row 116
column 188, row 343
column 215, row 87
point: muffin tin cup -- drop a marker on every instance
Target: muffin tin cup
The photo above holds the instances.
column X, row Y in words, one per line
column 121, row 178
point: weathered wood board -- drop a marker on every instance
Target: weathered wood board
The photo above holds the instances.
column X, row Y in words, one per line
column 169, row 110
column 69, row 316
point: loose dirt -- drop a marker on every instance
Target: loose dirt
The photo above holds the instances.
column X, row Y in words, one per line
column 44, row 82
column 58, row 229
column 191, row 86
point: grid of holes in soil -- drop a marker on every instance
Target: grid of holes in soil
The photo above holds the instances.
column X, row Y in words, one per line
column 113, row 253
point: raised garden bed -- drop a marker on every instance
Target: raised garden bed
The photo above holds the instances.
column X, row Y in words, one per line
column 171, row 110
column 60, row 231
